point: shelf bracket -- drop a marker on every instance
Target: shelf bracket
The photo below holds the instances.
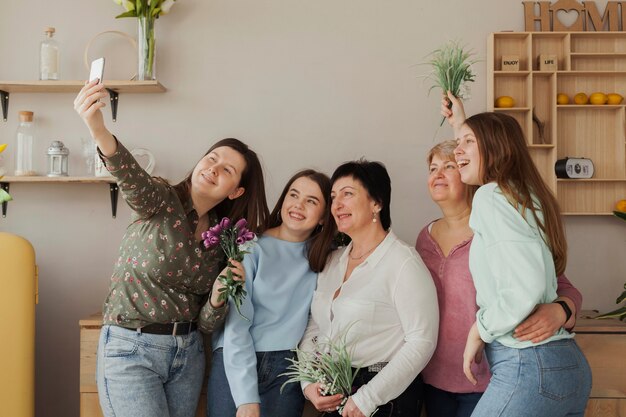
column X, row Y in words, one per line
column 4, row 97
column 5, row 187
column 114, row 188
column 114, row 100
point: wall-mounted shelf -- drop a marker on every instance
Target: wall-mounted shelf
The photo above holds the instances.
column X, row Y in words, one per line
column 587, row 62
column 5, row 182
column 114, row 87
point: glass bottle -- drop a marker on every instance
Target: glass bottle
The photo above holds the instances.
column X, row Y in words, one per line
column 49, row 56
column 25, row 141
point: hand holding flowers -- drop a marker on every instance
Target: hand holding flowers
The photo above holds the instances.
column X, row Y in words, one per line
column 235, row 240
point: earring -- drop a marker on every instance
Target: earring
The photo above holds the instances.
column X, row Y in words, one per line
column 373, row 217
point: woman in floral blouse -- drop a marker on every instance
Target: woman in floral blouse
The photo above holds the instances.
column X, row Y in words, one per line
column 150, row 356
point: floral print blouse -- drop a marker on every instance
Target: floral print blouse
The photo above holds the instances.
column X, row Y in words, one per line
column 162, row 274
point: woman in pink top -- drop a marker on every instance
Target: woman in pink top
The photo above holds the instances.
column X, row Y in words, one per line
column 444, row 246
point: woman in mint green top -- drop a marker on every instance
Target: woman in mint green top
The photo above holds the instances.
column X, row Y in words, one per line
column 249, row 356
column 518, row 249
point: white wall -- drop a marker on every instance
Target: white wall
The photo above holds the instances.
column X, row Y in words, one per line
column 305, row 83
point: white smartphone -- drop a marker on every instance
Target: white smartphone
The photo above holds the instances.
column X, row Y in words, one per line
column 97, row 70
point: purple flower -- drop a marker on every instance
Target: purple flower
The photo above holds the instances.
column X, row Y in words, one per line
column 225, row 223
column 216, row 230
column 242, row 231
column 240, row 240
column 241, row 225
column 248, row 236
column 211, row 240
column 205, row 234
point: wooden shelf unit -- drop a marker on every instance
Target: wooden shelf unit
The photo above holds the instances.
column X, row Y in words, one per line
column 70, row 86
column 115, row 88
column 587, row 62
column 5, row 183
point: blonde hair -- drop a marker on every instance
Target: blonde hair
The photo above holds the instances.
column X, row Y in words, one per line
column 445, row 150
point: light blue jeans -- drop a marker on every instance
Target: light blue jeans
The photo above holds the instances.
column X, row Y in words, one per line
column 549, row 380
column 149, row 375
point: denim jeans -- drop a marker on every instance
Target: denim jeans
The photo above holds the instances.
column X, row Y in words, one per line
column 549, row 380
column 407, row 404
column 289, row 403
column 149, row 375
column 440, row 403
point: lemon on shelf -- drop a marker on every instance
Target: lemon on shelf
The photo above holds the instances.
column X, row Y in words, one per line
column 614, row 98
column 620, row 206
column 581, row 98
column 562, row 98
column 505, row 102
column 598, row 98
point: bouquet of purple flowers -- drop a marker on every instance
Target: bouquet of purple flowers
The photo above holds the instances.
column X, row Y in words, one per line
column 235, row 240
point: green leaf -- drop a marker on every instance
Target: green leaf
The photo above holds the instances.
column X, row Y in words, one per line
column 132, row 13
column 620, row 214
column 619, row 313
column 621, row 298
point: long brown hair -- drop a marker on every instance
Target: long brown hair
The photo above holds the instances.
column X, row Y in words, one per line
column 319, row 243
column 505, row 159
column 252, row 205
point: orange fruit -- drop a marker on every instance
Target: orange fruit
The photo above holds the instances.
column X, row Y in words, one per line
column 598, row 98
column 614, row 98
column 581, row 98
column 562, row 98
column 505, row 102
column 620, row 206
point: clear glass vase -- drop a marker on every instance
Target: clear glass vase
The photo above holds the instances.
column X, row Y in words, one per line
column 146, row 48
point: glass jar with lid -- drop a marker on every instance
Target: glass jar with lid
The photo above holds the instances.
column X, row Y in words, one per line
column 24, row 145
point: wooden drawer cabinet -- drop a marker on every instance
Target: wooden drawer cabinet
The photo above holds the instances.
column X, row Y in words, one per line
column 89, row 404
column 604, row 345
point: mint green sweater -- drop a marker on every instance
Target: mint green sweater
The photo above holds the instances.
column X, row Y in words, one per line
column 511, row 265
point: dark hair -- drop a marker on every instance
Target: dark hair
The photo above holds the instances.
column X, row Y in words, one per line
column 252, row 205
column 505, row 159
column 319, row 244
column 375, row 179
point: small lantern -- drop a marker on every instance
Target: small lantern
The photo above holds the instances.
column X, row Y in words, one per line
column 57, row 159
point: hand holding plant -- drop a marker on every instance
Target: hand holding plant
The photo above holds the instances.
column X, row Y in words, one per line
column 451, row 70
column 329, row 365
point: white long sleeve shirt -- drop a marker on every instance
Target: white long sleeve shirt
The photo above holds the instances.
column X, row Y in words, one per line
column 389, row 304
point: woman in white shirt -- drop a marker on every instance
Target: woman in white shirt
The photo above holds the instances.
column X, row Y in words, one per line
column 378, row 290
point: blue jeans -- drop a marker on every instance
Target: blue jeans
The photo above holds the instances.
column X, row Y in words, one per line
column 289, row 403
column 551, row 380
column 149, row 375
column 440, row 403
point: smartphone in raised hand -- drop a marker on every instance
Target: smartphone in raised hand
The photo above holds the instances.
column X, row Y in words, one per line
column 97, row 70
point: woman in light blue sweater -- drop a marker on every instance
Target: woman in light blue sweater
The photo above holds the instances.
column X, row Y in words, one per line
column 281, row 275
column 518, row 249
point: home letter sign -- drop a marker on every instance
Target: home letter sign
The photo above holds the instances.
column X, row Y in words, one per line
column 574, row 16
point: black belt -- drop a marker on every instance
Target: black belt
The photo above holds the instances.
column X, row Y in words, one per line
column 174, row 329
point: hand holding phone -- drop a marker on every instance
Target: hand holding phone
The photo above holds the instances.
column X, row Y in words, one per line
column 97, row 70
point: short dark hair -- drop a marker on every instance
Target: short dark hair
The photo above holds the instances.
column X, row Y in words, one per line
column 375, row 179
